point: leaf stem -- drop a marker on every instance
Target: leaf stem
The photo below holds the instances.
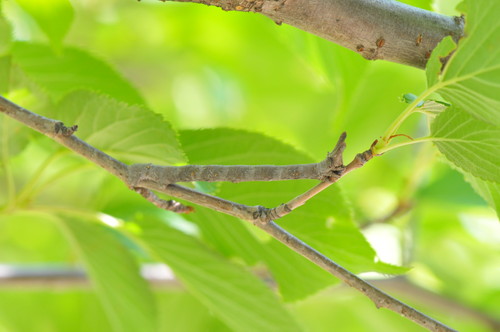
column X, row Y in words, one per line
column 415, row 141
column 401, row 118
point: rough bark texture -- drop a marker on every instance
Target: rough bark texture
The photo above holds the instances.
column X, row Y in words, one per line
column 376, row 29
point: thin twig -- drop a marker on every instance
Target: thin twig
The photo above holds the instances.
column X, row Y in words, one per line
column 378, row 297
column 169, row 205
column 338, row 171
column 64, row 135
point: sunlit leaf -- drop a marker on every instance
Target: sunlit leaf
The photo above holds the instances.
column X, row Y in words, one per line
column 230, row 147
column 42, row 240
column 434, row 65
column 226, row 146
column 324, row 222
column 470, row 79
column 297, row 277
column 14, row 137
column 5, row 65
column 490, row 191
column 129, row 133
column 228, row 235
column 124, row 294
column 69, row 310
column 470, row 144
column 235, row 295
column 181, row 311
column 5, row 35
column 69, row 70
column 448, row 187
column 54, row 17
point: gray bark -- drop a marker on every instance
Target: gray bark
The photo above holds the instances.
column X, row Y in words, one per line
column 376, row 29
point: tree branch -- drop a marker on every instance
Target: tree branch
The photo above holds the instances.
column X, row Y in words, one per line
column 376, row 29
column 378, row 297
column 160, row 276
column 169, row 205
column 330, row 168
column 258, row 215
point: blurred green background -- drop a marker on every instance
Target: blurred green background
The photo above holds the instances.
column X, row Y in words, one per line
column 200, row 67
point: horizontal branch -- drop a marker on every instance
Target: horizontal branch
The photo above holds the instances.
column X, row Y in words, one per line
column 161, row 276
column 260, row 216
column 330, row 168
column 375, row 29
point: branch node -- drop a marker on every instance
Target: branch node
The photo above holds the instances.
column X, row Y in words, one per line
column 61, row 130
column 334, row 161
column 361, row 158
column 265, row 215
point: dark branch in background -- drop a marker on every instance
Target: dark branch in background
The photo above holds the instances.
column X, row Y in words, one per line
column 376, row 29
column 258, row 215
column 401, row 209
column 160, row 276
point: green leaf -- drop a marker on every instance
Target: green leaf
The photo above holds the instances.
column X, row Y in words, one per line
column 297, row 277
column 448, row 187
column 73, row 309
column 235, row 295
column 5, row 35
column 229, row 236
column 129, row 133
column 71, row 69
column 14, row 137
column 229, row 147
column 5, row 65
column 324, row 220
column 470, row 79
column 224, row 146
column 490, row 191
column 434, row 65
column 54, row 17
column 470, row 144
column 181, row 311
column 124, row 294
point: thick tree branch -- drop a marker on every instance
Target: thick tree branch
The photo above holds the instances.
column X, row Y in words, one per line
column 376, row 29
column 259, row 216
column 330, row 168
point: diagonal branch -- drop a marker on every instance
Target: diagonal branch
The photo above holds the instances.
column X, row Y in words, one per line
column 378, row 297
column 260, row 216
column 169, row 205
